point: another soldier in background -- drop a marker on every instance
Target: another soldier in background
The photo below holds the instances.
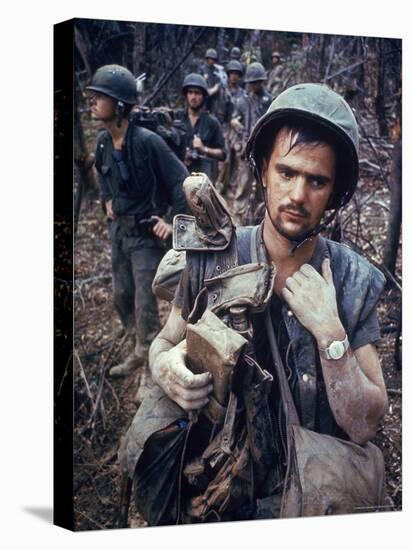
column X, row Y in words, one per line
column 275, row 77
column 205, row 141
column 249, row 109
column 213, row 79
column 236, row 55
column 234, row 71
column 235, row 139
column 140, row 180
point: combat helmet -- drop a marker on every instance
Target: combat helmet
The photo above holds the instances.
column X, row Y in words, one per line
column 196, row 81
column 255, row 72
column 235, row 53
column 211, row 53
column 115, row 81
column 234, row 66
column 319, row 104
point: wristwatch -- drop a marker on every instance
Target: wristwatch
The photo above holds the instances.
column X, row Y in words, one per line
column 336, row 350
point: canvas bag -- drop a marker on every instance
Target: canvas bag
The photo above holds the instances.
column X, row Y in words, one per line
column 324, row 474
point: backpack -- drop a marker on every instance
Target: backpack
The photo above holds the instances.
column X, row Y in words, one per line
column 162, row 121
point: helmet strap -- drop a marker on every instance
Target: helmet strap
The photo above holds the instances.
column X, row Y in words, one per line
column 295, row 244
column 119, row 113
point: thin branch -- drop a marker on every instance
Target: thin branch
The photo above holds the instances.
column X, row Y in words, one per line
column 345, row 69
column 83, row 377
column 95, row 523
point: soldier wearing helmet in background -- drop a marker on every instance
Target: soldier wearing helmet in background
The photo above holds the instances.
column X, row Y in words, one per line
column 236, row 55
column 234, row 71
column 322, row 312
column 237, row 168
column 213, row 79
column 140, row 180
column 259, row 97
column 205, row 141
column 248, row 110
column 275, row 77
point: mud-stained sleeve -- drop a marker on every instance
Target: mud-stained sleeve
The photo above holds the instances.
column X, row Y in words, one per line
column 367, row 330
column 184, row 294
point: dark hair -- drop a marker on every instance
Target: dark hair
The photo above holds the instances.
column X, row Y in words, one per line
column 307, row 132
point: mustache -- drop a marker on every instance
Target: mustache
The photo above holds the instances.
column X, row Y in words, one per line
column 297, row 209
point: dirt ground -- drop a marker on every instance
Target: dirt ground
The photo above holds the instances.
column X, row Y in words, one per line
column 104, row 408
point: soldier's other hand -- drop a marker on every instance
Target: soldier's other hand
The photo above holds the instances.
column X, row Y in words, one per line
column 162, row 229
column 197, row 143
column 190, row 391
column 312, row 298
column 109, row 209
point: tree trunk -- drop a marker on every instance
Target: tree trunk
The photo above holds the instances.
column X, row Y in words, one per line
column 380, row 93
column 83, row 51
column 138, row 48
column 395, row 213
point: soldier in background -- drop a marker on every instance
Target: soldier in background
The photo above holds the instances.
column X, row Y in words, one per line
column 140, row 180
column 275, row 77
column 236, row 55
column 249, row 109
column 205, row 141
column 235, row 166
column 213, row 79
column 234, row 71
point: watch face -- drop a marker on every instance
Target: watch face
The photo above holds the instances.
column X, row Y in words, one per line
column 336, row 350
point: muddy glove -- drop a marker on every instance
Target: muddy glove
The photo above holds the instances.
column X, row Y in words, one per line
column 190, row 391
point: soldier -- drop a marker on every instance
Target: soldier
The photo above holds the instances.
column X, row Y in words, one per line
column 275, row 77
column 140, row 180
column 213, row 79
column 234, row 73
column 248, row 110
column 237, row 169
column 235, row 55
column 259, row 97
column 205, row 142
column 319, row 307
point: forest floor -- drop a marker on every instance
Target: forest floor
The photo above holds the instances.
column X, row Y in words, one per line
column 105, row 407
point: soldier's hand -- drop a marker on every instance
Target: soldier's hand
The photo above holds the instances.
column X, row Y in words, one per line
column 312, row 298
column 190, row 391
column 162, row 229
column 109, row 209
column 197, row 143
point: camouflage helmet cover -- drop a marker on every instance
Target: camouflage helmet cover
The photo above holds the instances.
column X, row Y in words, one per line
column 319, row 104
column 194, row 80
column 233, row 66
column 235, row 53
column 255, row 72
column 211, row 53
column 115, row 81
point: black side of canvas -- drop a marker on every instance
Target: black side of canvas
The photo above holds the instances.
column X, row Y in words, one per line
column 63, row 274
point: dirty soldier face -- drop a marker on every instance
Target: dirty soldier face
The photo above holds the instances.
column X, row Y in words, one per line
column 299, row 181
